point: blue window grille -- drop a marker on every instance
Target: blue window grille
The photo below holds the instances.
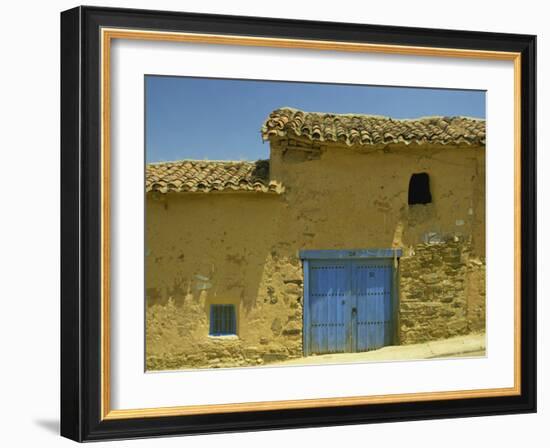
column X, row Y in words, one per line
column 223, row 320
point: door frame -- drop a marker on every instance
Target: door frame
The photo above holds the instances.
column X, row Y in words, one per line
column 348, row 254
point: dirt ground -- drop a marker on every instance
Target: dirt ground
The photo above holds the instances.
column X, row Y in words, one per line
column 473, row 345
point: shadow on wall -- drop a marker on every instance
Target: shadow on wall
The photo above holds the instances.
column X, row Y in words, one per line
column 213, row 253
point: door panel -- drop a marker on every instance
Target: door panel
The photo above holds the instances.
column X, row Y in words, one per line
column 372, row 282
column 330, row 285
column 350, row 305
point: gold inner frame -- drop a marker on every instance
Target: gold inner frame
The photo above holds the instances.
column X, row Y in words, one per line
column 107, row 35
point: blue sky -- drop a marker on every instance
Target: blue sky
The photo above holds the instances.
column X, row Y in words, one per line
column 220, row 119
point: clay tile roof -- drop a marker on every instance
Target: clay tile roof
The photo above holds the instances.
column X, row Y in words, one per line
column 204, row 176
column 373, row 130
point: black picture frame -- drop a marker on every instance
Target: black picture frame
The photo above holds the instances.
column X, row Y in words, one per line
column 81, row 224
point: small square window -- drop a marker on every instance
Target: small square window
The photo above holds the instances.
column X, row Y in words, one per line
column 223, row 320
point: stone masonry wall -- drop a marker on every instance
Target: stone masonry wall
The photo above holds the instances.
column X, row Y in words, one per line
column 442, row 291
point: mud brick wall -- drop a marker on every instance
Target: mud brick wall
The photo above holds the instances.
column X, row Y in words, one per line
column 442, row 289
column 176, row 328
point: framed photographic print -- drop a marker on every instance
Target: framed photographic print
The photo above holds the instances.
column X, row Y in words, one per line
column 273, row 223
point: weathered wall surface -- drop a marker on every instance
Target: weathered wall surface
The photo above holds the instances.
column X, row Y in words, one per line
column 351, row 197
column 219, row 248
column 242, row 248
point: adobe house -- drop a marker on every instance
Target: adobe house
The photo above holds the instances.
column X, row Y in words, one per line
column 358, row 232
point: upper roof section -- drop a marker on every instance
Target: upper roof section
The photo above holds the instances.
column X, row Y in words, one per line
column 364, row 130
column 199, row 175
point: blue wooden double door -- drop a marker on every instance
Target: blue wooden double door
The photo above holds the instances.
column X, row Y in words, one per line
column 349, row 305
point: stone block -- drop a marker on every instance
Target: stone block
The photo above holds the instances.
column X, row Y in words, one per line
column 431, row 279
column 457, row 327
column 293, row 328
column 251, row 352
column 276, row 326
column 446, row 313
column 292, row 288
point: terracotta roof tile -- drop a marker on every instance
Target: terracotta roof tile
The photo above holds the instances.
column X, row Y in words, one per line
column 198, row 175
column 373, row 130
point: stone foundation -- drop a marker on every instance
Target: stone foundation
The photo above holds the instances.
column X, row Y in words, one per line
column 442, row 292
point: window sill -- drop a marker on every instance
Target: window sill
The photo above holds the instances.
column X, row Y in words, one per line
column 225, row 337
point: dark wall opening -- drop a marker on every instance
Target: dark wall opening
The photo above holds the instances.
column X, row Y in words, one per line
column 419, row 189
